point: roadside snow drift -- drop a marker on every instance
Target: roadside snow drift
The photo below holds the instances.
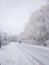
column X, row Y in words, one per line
column 23, row 54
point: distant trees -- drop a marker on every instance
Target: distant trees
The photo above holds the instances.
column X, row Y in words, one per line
column 3, row 38
column 37, row 29
column 6, row 39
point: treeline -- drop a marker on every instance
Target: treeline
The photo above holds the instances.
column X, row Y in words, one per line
column 37, row 28
column 6, row 39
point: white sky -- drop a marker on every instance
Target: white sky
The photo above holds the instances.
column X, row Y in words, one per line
column 15, row 13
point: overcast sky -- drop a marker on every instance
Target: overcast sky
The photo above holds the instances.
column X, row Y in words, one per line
column 14, row 14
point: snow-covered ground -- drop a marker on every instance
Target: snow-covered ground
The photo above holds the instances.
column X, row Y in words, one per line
column 24, row 54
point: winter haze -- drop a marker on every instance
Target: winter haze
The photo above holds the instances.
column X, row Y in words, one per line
column 24, row 32
column 14, row 14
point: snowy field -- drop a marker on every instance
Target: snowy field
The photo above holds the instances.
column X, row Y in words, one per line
column 24, row 54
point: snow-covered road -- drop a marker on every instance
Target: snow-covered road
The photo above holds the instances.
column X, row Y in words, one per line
column 24, row 54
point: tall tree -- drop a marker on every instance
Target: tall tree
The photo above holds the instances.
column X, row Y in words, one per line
column 38, row 26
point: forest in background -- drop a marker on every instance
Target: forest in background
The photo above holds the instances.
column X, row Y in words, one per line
column 36, row 29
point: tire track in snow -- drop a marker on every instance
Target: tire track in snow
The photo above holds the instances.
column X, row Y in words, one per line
column 30, row 54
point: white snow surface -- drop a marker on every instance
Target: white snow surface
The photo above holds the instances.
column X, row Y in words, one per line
column 24, row 54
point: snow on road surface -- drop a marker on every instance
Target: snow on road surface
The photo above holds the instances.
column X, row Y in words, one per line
column 24, row 54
